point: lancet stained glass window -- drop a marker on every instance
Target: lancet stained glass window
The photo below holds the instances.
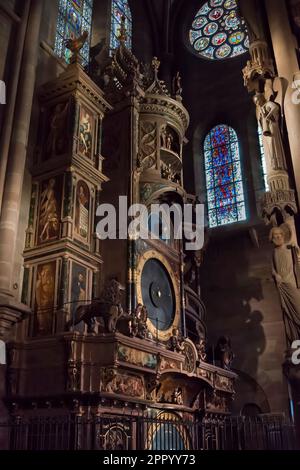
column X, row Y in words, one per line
column 120, row 8
column 218, row 32
column 225, row 191
column 74, row 17
column 262, row 156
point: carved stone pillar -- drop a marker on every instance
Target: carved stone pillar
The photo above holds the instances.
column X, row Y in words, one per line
column 278, row 204
column 284, row 46
column 273, row 99
column 10, row 107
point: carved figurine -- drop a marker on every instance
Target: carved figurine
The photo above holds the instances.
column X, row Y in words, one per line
column 138, row 322
column 108, row 307
column 201, row 348
column 166, row 172
column 169, row 141
column 75, row 45
column 177, row 88
column 224, row 352
column 286, row 273
column 163, row 137
column 268, row 115
column 177, row 396
column 175, row 341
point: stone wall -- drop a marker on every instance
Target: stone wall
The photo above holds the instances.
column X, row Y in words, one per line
column 242, row 302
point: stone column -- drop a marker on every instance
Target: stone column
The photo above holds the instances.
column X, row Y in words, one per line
column 11, row 102
column 284, row 46
column 10, row 311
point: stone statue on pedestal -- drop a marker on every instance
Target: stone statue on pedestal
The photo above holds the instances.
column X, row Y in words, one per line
column 268, row 115
column 286, row 273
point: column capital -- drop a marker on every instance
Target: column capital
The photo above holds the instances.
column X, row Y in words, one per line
column 11, row 312
column 260, row 68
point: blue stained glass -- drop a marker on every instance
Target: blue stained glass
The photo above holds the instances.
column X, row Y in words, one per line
column 216, row 3
column 194, row 35
column 223, row 175
column 220, row 155
column 236, row 171
column 209, row 52
column 201, row 44
column 75, row 16
column 220, row 136
column 119, row 9
column 210, row 179
column 199, row 22
column 227, row 215
column 212, row 216
column 224, row 195
column 211, row 198
column 225, row 191
column 241, row 211
column 223, row 31
column 204, row 10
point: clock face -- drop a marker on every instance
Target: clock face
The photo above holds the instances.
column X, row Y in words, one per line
column 158, row 294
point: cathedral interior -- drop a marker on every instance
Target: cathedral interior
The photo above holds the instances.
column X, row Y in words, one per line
column 135, row 342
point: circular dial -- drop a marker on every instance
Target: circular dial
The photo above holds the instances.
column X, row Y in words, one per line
column 158, row 294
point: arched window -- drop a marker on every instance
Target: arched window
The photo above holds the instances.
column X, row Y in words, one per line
column 218, row 32
column 263, row 157
column 120, row 8
column 74, row 17
column 225, row 192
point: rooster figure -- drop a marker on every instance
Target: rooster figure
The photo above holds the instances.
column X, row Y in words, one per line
column 75, row 45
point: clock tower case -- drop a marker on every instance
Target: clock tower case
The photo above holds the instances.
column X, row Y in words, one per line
column 144, row 135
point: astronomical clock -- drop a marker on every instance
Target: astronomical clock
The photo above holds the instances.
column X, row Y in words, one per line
column 117, row 331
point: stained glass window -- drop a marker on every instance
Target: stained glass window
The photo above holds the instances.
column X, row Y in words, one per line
column 120, row 8
column 74, row 17
column 218, row 32
column 263, row 157
column 224, row 183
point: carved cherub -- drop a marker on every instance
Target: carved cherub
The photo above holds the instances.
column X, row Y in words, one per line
column 177, row 398
column 138, row 322
column 201, row 348
column 175, row 341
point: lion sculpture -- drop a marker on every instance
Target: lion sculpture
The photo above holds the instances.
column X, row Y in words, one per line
column 108, row 307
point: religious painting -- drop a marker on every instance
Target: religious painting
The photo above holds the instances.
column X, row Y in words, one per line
column 82, row 207
column 78, row 288
column 56, row 141
column 44, row 297
column 49, row 210
column 86, row 125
